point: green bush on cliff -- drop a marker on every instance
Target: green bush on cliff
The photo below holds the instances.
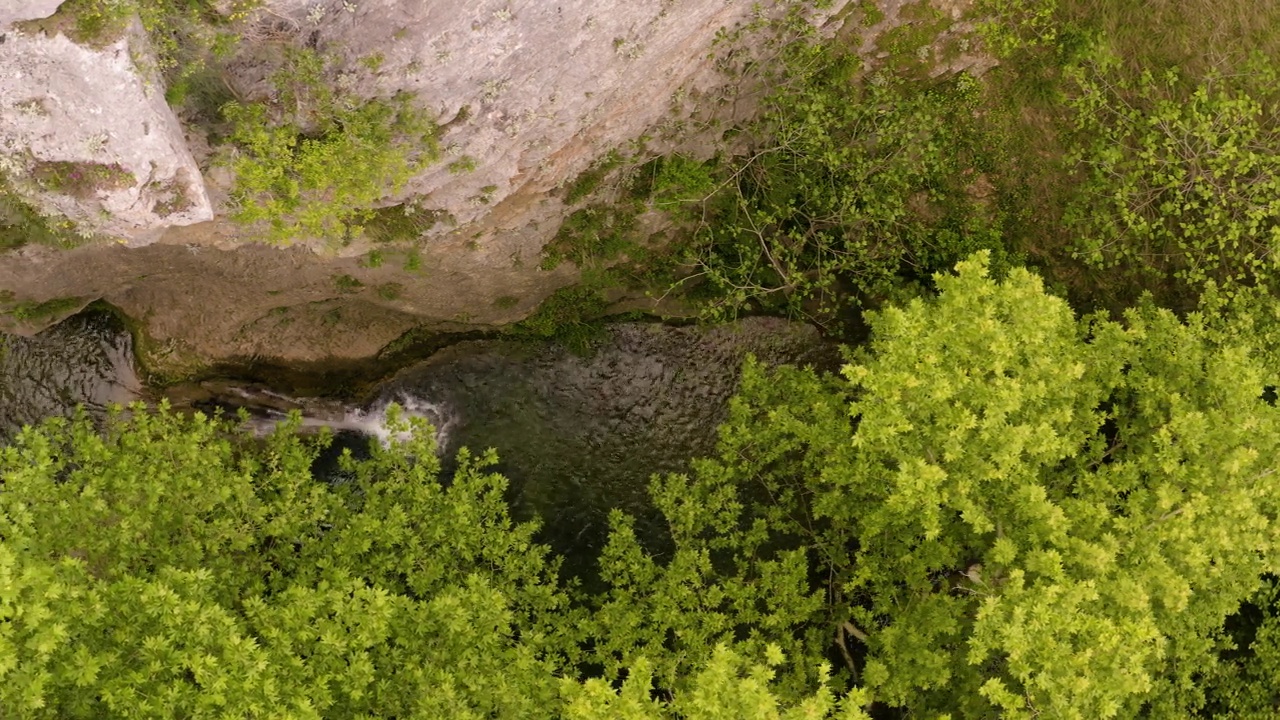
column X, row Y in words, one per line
column 849, row 180
column 324, row 184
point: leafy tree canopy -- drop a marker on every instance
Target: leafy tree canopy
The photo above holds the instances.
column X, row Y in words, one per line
column 176, row 568
column 1001, row 509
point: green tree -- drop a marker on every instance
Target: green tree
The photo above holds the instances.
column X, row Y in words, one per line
column 1177, row 176
column 172, row 569
column 998, row 509
column 850, row 177
column 177, row 567
column 1008, row 510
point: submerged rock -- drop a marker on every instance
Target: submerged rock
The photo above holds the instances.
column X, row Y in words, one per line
column 86, row 360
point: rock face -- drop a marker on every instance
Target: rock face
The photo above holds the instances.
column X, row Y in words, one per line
column 86, row 135
column 529, row 93
column 18, row 10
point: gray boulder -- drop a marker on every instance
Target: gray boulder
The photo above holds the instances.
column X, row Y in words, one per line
column 12, row 11
column 86, row 134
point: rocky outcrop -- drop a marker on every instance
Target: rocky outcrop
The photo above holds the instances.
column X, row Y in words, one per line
column 85, row 134
column 19, row 10
column 532, row 92
column 528, row 94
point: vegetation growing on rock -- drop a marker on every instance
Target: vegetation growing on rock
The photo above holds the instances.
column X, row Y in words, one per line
column 314, row 163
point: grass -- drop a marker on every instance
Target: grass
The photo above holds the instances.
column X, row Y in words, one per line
column 412, row 260
column 590, row 179
column 871, row 12
column 21, row 223
column 569, row 316
column 1027, row 104
column 95, row 23
column 31, row 311
column 398, row 223
column 1197, row 36
column 592, row 236
column 907, row 44
column 464, row 164
column 347, row 284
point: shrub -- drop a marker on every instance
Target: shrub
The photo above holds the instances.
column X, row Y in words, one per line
column 1175, row 183
column 315, row 163
column 592, row 236
column 321, row 183
column 1009, row 26
column 589, row 180
column 847, row 181
column 569, row 315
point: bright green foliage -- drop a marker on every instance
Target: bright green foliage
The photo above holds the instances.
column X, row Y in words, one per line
column 1008, row 26
column 849, row 181
column 1177, row 183
column 1013, row 512
column 322, row 182
column 680, row 185
column 1000, row 510
column 729, row 688
column 95, row 22
column 719, row 583
column 165, row 571
column 179, row 568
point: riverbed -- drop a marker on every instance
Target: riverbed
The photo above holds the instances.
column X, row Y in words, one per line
column 577, row 433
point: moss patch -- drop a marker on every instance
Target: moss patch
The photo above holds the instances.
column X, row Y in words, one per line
column 21, row 223
column 570, row 316
column 81, row 180
column 33, row 312
column 399, row 223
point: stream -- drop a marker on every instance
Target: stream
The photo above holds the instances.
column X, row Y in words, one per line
column 85, row 360
column 576, row 435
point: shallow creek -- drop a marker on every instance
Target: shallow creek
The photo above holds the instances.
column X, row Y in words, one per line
column 577, row 435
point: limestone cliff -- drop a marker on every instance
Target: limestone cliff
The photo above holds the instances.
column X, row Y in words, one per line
column 527, row 93
column 86, row 134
